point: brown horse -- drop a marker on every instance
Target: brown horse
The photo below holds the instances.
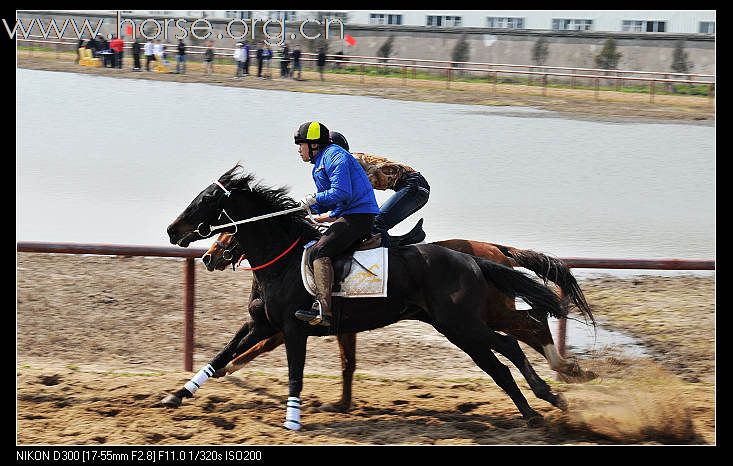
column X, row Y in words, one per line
column 501, row 317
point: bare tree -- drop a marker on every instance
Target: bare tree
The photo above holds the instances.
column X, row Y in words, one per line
column 386, row 49
column 540, row 51
column 608, row 57
column 461, row 51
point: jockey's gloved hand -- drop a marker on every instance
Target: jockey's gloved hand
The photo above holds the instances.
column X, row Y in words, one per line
column 308, row 201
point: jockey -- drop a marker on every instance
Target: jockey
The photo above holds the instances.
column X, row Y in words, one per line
column 410, row 187
column 345, row 198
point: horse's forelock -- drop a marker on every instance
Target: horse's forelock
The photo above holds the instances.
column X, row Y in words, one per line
column 237, row 178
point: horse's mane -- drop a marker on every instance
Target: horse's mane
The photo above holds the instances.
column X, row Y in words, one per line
column 272, row 199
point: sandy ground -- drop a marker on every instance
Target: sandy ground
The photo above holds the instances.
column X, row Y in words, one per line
column 99, row 343
column 576, row 103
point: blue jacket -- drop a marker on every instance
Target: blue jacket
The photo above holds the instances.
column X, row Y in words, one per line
column 343, row 185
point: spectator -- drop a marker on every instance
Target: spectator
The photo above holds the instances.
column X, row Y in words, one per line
column 149, row 55
column 260, row 54
column 78, row 54
column 93, row 46
column 267, row 58
column 238, row 60
column 246, row 59
column 321, row 62
column 339, row 56
column 136, row 55
column 209, row 59
column 296, row 62
column 181, row 58
column 117, row 45
column 159, row 51
column 285, row 63
column 105, row 51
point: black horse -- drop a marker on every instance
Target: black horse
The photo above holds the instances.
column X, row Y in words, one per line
column 450, row 289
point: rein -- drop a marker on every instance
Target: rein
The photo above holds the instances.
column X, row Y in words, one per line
column 202, row 229
column 273, row 260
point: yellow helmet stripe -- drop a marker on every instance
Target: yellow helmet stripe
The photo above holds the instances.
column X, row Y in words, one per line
column 314, row 131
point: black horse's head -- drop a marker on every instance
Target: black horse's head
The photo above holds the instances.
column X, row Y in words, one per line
column 234, row 196
column 206, row 209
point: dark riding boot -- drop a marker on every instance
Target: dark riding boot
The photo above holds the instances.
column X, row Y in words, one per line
column 320, row 312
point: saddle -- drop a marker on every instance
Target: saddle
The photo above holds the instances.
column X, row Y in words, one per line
column 343, row 263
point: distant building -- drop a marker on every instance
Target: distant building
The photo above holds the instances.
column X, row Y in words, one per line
column 674, row 21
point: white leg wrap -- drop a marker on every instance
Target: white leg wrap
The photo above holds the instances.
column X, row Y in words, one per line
column 292, row 414
column 199, row 379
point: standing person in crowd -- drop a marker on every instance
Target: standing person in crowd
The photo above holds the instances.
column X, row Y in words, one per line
column 105, row 51
column 117, row 45
column 285, row 62
column 136, row 55
column 260, row 57
column 321, row 61
column 181, row 58
column 296, row 62
column 267, row 58
column 246, row 58
column 339, row 57
column 159, row 51
column 239, row 60
column 149, row 55
column 209, row 58
column 93, row 46
column 78, row 54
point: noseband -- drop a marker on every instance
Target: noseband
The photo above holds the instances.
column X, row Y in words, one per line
column 227, row 253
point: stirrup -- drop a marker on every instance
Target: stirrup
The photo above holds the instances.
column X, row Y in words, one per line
column 317, row 319
column 321, row 318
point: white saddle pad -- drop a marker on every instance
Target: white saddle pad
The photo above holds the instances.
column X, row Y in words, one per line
column 367, row 278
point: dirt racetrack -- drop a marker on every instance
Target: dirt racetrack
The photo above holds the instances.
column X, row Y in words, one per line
column 99, row 344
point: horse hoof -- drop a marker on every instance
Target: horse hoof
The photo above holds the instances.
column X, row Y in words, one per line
column 290, row 425
column 335, row 407
column 562, row 402
column 171, row 401
column 535, row 422
column 220, row 373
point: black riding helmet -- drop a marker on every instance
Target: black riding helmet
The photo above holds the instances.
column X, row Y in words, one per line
column 339, row 139
column 312, row 132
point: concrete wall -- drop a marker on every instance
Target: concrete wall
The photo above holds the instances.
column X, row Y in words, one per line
column 643, row 52
column 640, row 51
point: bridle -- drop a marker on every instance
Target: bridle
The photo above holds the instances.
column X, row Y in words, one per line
column 206, row 231
column 201, row 225
column 227, row 253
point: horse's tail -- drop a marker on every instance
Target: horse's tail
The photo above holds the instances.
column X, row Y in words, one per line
column 552, row 269
column 514, row 283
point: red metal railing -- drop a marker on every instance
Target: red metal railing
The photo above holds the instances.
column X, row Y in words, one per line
column 148, row 251
column 189, row 274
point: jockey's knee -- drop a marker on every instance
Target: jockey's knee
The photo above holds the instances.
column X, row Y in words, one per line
column 316, row 252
